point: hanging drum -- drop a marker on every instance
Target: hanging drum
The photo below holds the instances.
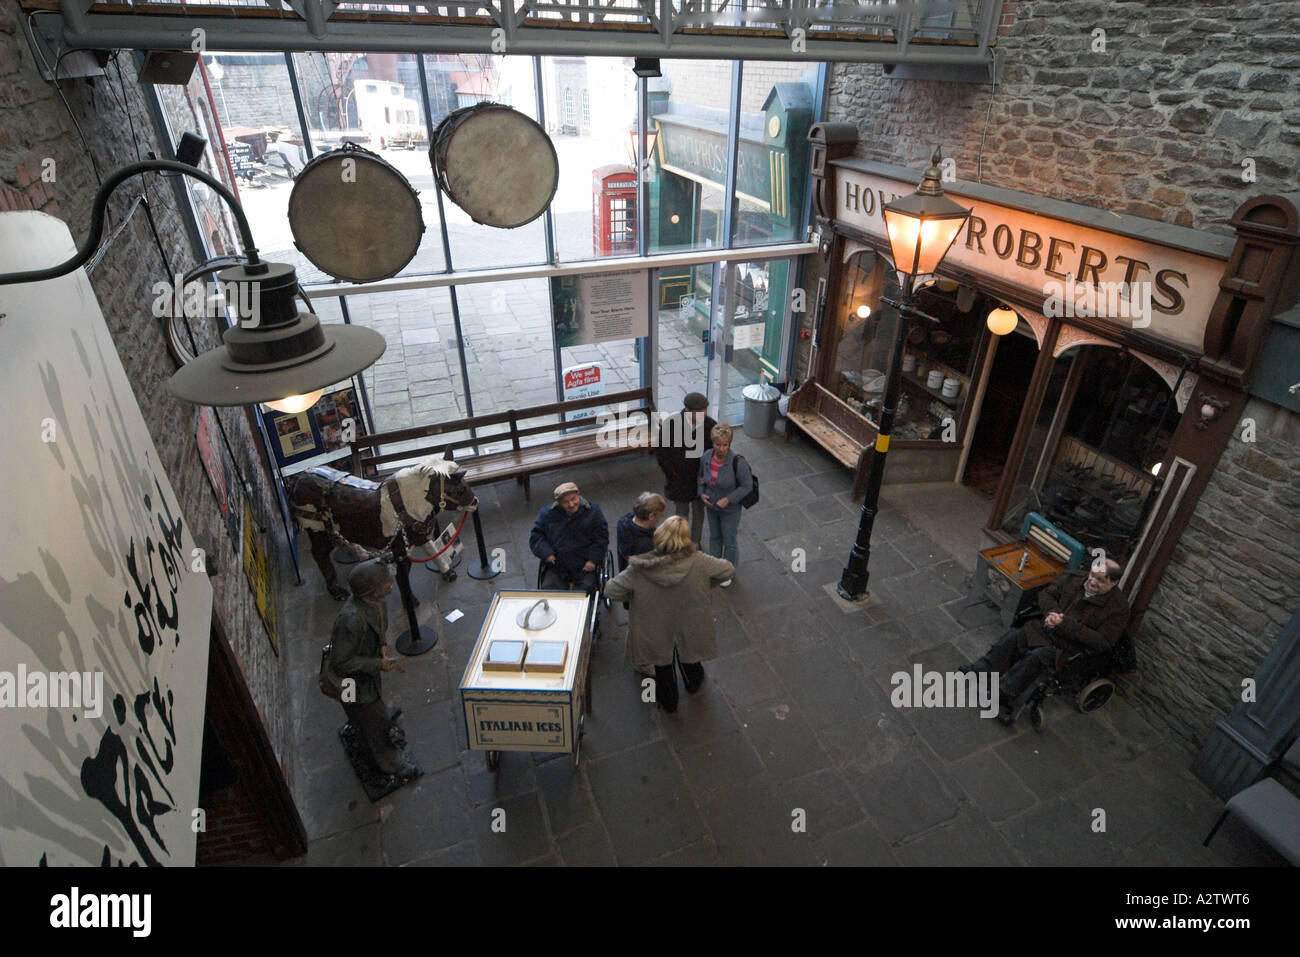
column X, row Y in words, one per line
column 496, row 164
column 354, row 216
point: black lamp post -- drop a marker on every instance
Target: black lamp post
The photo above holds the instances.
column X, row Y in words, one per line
column 921, row 228
column 276, row 354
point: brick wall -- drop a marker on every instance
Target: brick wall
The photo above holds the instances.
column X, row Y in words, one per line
column 234, row 832
column 1232, row 583
column 1157, row 124
column 35, row 126
column 708, row 82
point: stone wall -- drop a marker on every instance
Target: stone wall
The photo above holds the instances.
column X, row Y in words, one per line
column 33, row 126
column 1233, row 581
column 1157, row 124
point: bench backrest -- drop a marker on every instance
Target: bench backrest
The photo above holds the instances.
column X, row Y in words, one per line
column 513, row 425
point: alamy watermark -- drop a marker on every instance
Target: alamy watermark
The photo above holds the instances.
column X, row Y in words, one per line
column 946, row 689
column 628, row 428
column 1112, row 300
column 178, row 298
column 53, row 689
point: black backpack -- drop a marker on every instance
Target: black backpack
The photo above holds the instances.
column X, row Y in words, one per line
column 750, row 500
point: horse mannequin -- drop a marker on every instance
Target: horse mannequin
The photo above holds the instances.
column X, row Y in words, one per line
column 334, row 506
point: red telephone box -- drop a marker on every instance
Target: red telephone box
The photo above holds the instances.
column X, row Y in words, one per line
column 613, row 210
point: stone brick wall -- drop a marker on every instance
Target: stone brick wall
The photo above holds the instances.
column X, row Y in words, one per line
column 1233, row 581
column 33, row 126
column 1156, row 125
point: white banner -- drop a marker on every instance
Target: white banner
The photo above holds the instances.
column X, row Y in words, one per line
column 104, row 604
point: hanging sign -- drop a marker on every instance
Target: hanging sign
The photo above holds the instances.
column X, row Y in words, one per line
column 602, row 307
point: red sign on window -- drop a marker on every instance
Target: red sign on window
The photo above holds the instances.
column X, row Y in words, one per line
column 581, row 376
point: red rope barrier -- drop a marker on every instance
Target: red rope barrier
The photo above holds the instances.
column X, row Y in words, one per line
column 421, row 561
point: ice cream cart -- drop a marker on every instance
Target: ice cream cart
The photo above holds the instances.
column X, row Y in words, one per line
column 527, row 686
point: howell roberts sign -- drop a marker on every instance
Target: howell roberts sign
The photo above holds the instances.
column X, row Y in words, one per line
column 1050, row 249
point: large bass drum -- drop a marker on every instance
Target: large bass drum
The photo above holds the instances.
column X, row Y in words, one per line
column 496, row 164
column 354, row 216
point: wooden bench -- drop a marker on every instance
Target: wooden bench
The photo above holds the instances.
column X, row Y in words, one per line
column 595, row 441
column 834, row 425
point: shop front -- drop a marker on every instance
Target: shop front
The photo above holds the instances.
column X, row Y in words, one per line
column 1098, row 406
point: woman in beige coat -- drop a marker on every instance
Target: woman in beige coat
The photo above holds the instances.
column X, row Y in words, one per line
column 670, row 618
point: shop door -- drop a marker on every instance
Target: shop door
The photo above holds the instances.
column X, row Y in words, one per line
column 747, row 332
column 1004, row 398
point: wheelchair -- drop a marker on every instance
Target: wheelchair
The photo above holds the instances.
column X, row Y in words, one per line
column 1087, row 676
column 604, row 573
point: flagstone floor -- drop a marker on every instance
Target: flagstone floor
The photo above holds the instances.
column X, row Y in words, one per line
column 793, row 725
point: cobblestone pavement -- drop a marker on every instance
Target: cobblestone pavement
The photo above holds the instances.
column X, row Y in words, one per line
column 794, row 714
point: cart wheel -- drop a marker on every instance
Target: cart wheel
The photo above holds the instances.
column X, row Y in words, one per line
column 493, row 760
column 575, row 759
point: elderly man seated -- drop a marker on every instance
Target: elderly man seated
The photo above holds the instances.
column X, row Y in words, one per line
column 1081, row 612
column 571, row 538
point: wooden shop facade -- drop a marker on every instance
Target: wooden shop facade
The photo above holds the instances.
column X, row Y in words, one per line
column 1107, row 406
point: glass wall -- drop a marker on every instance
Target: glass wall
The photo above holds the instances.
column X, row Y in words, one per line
column 589, row 109
column 595, row 148
column 471, row 79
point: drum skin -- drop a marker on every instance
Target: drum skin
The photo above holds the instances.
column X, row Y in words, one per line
column 496, row 164
column 359, row 227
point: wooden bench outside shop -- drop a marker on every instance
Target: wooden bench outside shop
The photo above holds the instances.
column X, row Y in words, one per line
column 629, row 434
column 834, row 425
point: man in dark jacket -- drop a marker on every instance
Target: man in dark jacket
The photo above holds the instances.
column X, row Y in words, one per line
column 571, row 538
column 682, row 441
column 359, row 654
column 1081, row 612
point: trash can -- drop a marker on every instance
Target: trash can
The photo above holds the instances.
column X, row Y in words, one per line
column 760, row 409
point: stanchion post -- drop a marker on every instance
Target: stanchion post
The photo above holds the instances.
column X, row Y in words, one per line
column 483, row 571
column 416, row 640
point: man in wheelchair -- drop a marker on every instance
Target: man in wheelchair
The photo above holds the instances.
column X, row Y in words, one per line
column 1084, row 613
column 571, row 538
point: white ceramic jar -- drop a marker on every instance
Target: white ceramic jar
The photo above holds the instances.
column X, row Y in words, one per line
column 935, row 379
column 951, row 387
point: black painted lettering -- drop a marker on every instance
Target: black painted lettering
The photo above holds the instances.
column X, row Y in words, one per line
column 1131, row 269
column 1174, row 304
column 1003, row 243
column 1087, row 264
column 975, row 230
column 1054, row 256
column 1030, row 252
column 851, row 202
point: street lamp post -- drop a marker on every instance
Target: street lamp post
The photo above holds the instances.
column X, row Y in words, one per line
column 921, row 228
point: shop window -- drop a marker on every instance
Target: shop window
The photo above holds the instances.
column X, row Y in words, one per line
column 1091, row 473
column 938, row 358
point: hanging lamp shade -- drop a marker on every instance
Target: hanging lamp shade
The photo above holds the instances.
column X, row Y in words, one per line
column 1002, row 321
column 922, row 226
column 275, row 354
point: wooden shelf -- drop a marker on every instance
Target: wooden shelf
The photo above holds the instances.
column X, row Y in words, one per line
column 935, row 394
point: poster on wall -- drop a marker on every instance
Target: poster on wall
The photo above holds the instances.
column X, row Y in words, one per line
column 602, row 307
column 328, row 426
column 104, row 618
column 220, row 471
column 258, row 572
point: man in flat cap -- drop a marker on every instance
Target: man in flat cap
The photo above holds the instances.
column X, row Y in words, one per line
column 359, row 653
column 683, row 440
column 571, row 538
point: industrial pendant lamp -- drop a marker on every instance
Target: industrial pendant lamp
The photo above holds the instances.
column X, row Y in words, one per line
column 274, row 354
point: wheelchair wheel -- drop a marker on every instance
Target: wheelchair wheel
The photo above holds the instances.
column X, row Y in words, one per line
column 1095, row 695
column 605, row 575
